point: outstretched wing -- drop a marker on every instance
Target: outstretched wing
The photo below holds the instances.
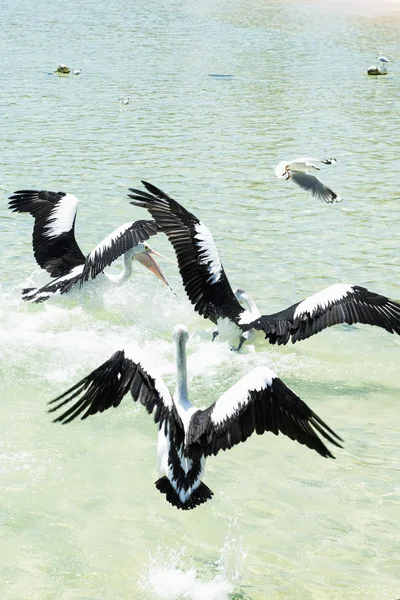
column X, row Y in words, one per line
column 258, row 402
column 339, row 303
column 108, row 384
column 54, row 244
column 199, row 264
column 60, row 285
column 126, row 237
column 312, row 184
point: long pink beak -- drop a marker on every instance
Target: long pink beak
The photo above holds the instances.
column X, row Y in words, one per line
column 161, row 256
column 149, row 262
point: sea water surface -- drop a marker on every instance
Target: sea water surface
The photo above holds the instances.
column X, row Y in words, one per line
column 80, row 516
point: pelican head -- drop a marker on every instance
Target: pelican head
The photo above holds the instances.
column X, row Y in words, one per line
column 180, row 334
column 142, row 253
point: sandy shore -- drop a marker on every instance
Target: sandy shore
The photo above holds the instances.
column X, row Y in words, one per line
column 361, row 8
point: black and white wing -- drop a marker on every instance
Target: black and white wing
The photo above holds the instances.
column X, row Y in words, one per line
column 106, row 386
column 339, row 303
column 54, row 244
column 199, row 264
column 117, row 243
column 258, row 402
column 312, row 184
column 60, row 285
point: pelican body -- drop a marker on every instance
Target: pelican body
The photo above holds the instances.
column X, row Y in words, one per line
column 187, row 435
column 209, row 289
column 57, row 251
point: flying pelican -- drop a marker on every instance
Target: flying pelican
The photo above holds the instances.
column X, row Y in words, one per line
column 56, row 250
column 209, row 290
column 298, row 171
column 258, row 402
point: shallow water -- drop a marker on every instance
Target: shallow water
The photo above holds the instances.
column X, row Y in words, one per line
column 80, row 516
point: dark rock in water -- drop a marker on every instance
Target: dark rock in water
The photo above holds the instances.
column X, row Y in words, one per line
column 220, row 75
column 377, row 70
column 63, row 69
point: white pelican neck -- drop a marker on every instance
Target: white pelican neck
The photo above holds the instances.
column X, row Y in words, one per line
column 181, row 336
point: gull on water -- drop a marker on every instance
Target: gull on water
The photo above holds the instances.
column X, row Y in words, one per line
column 298, row 171
column 124, row 100
column 187, row 435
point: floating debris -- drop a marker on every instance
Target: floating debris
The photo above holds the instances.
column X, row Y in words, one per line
column 63, row 69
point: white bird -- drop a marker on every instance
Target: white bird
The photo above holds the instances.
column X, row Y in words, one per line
column 124, row 100
column 247, row 301
column 209, row 290
column 298, row 171
column 56, row 250
column 258, row 402
column 383, row 58
column 76, row 71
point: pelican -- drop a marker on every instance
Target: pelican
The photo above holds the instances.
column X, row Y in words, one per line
column 247, row 301
column 187, row 435
column 209, row 290
column 298, row 171
column 56, row 250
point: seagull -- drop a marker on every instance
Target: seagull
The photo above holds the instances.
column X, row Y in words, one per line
column 298, row 171
column 124, row 101
column 382, row 58
column 209, row 290
column 187, row 435
column 76, row 71
column 56, row 250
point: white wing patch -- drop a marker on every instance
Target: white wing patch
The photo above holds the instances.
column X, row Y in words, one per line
column 208, row 252
column 323, row 299
column 61, row 218
column 158, row 382
column 237, row 396
column 109, row 241
column 247, row 317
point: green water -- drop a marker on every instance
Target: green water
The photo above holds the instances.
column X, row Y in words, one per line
column 80, row 516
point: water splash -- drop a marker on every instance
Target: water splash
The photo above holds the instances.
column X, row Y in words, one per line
column 170, row 577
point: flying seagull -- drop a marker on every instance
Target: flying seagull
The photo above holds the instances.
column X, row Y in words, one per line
column 298, row 171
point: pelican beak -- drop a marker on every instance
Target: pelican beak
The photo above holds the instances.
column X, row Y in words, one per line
column 161, row 256
column 149, row 262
